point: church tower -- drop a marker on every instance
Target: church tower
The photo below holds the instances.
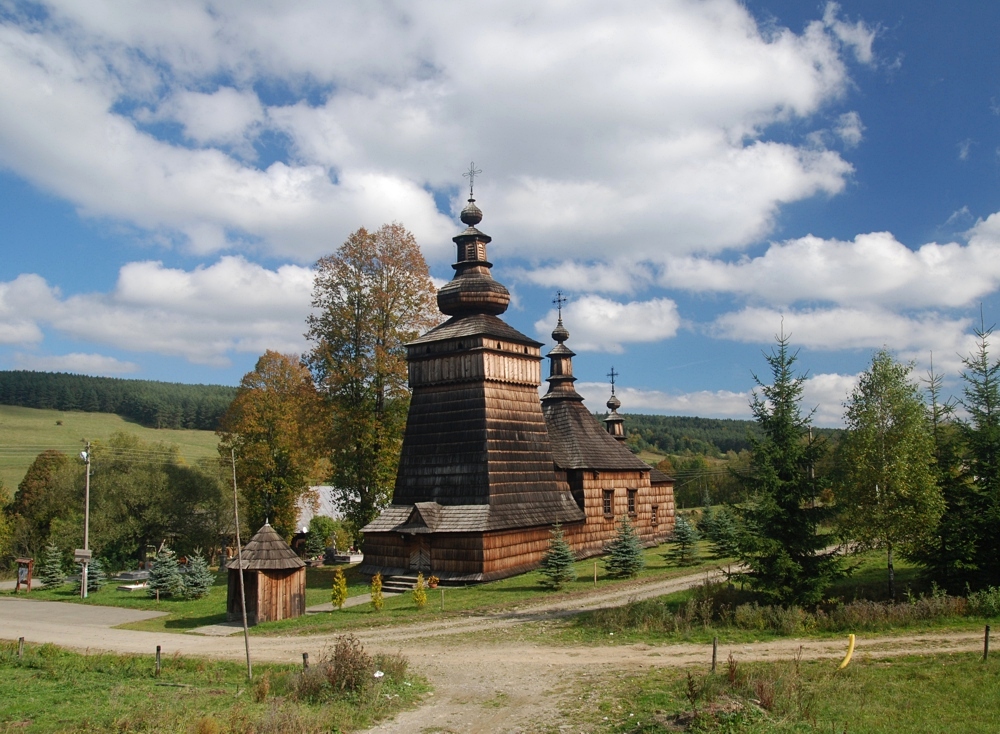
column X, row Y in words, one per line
column 476, row 490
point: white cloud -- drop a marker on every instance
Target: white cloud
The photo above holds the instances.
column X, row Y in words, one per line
column 857, row 36
column 598, row 324
column 850, row 129
column 637, row 122
column 88, row 364
column 964, row 146
column 201, row 315
column 914, row 336
column 873, row 269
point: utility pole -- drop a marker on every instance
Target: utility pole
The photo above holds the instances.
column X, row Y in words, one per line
column 85, row 455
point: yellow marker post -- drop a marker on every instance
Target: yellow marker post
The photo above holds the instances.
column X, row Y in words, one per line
column 850, row 651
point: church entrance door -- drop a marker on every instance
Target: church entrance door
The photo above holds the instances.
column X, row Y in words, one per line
column 420, row 557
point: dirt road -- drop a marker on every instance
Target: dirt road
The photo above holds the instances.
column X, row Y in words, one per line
column 487, row 676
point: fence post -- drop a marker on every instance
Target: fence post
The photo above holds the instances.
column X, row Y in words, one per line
column 157, row 660
column 595, row 574
column 715, row 652
column 20, row 647
column 986, row 643
column 442, row 599
column 305, row 661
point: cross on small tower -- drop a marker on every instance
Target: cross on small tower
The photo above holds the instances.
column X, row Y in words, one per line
column 559, row 300
column 471, row 175
column 612, row 374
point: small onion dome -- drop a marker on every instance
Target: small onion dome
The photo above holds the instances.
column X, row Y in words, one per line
column 614, row 403
column 471, row 214
column 560, row 333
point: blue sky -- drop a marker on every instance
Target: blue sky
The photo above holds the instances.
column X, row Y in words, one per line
column 689, row 173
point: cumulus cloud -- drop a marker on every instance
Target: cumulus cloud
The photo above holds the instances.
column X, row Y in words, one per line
column 88, row 364
column 202, row 315
column 637, row 122
column 598, row 324
column 850, row 129
column 874, row 269
column 913, row 336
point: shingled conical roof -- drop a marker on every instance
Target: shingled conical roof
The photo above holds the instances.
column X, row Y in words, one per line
column 267, row 551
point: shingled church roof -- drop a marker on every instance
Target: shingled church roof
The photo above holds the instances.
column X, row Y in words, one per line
column 578, row 440
column 267, row 551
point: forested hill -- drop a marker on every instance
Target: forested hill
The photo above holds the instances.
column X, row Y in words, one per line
column 670, row 434
column 153, row 404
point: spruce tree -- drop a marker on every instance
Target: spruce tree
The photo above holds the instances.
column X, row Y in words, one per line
column 685, row 542
column 557, row 565
column 315, row 544
column 981, row 431
column 779, row 544
column 50, row 573
column 724, row 534
column 624, row 554
column 165, row 576
column 706, row 523
column 199, row 579
column 338, row 594
column 95, row 576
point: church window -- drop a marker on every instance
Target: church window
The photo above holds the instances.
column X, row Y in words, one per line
column 609, row 499
column 631, row 501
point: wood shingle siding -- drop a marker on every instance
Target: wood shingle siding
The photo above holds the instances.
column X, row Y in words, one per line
column 274, row 578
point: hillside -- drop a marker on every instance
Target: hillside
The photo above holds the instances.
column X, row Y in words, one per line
column 26, row 432
column 150, row 403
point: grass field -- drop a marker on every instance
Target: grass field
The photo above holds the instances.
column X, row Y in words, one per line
column 933, row 693
column 26, row 432
column 53, row 690
column 185, row 615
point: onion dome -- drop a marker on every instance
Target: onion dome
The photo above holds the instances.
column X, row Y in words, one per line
column 614, row 403
column 472, row 290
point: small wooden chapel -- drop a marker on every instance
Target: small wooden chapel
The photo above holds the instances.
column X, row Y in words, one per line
column 487, row 468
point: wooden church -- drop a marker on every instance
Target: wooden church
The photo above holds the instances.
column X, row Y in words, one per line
column 486, row 467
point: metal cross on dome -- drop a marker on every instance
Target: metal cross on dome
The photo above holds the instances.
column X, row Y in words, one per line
column 471, row 175
column 612, row 374
column 559, row 300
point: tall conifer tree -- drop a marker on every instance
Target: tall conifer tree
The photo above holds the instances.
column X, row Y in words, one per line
column 779, row 545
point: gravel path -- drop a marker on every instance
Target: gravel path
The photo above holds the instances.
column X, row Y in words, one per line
column 486, row 677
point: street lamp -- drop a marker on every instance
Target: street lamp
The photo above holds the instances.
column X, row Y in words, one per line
column 85, row 455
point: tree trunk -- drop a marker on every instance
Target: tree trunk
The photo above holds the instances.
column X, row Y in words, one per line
column 892, row 577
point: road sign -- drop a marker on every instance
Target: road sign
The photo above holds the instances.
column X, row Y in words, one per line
column 80, row 555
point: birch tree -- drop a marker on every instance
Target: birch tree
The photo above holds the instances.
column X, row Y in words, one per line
column 887, row 492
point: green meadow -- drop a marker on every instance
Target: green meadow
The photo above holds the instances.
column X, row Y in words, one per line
column 26, row 432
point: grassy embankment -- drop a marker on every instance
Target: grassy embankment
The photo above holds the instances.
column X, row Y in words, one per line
column 854, row 604
column 927, row 693
column 496, row 596
column 26, row 432
column 53, row 690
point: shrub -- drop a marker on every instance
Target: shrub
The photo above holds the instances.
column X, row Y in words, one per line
column 394, row 665
column 199, row 579
column 557, row 565
column 350, row 668
column 339, row 593
column 420, row 592
column 377, row 601
column 985, row 603
column 624, row 553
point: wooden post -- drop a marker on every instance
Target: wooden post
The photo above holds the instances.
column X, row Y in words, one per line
column 442, row 600
column 20, row 648
column 157, row 660
column 595, row 574
column 986, row 643
column 305, row 661
column 715, row 652
column 157, row 596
